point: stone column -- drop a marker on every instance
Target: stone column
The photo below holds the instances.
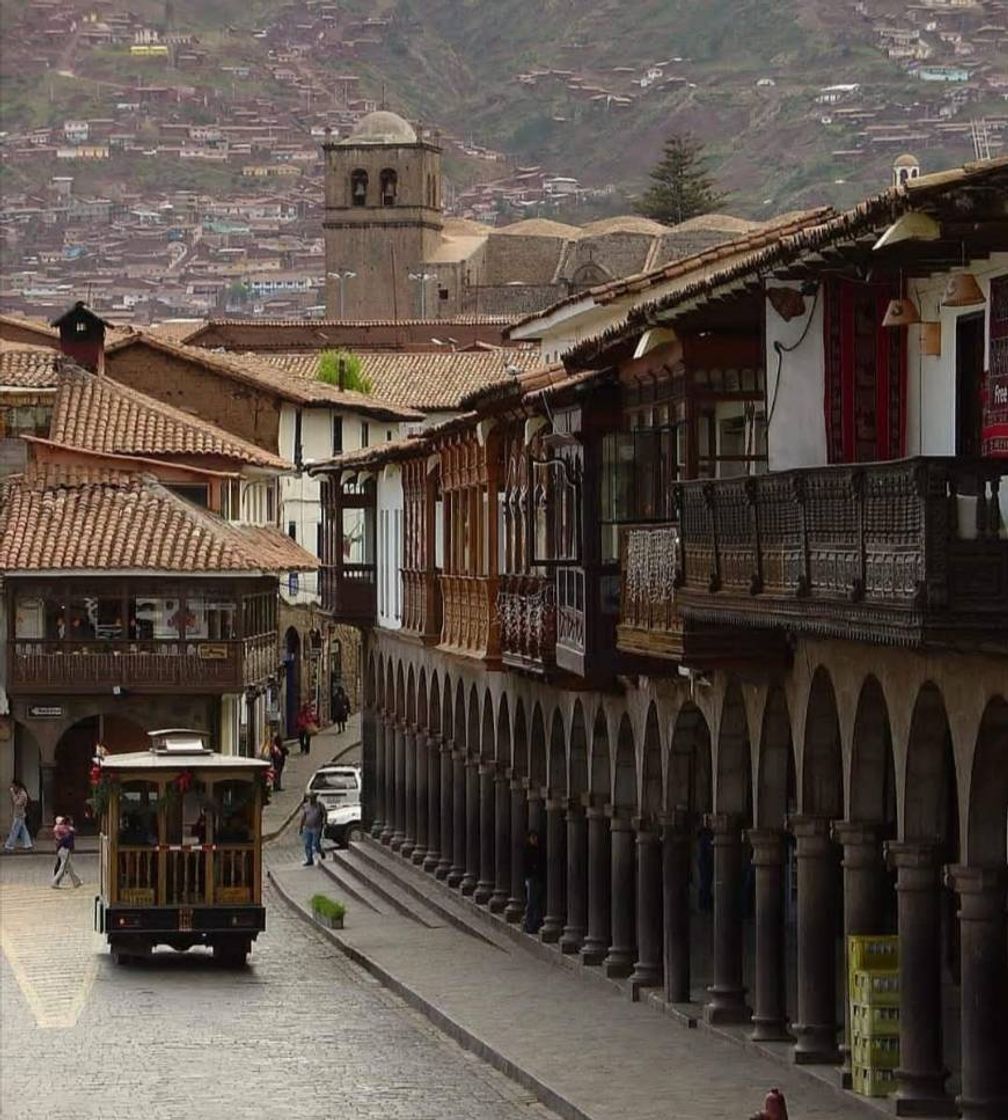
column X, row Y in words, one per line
column 984, row 991
column 447, row 810
column 388, row 828
column 485, row 884
column 556, row 867
column 816, row 1028
column 596, row 943
column 502, row 843
column 647, row 971
column 472, row 826
column 458, row 819
column 409, row 791
column 921, row 1074
column 769, row 1002
column 676, row 848
column 622, row 949
column 433, row 854
column 420, row 746
column 577, row 880
column 727, row 994
column 378, row 824
column 864, row 887
column 399, row 835
column 519, row 829
column 369, row 763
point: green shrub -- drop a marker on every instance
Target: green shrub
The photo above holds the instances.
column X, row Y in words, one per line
column 332, row 362
column 327, row 907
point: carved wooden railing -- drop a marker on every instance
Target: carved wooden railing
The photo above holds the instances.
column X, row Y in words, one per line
column 649, row 621
column 421, row 603
column 259, row 657
column 46, row 666
column 469, row 624
column 910, row 552
column 349, row 592
column 164, row 875
column 571, row 608
column 526, row 608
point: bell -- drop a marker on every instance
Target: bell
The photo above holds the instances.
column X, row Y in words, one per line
column 962, row 290
column 901, row 313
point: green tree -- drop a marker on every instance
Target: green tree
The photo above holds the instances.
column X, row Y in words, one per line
column 682, row 187
column 340, row 367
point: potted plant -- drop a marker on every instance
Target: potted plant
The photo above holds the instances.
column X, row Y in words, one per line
column 327, row 912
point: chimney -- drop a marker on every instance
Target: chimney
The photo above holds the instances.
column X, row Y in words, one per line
column 82, row 337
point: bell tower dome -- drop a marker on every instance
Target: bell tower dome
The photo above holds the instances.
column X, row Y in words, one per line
column 382, row 216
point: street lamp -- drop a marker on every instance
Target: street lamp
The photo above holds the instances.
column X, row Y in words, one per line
column 342, row 275
column 422, row 278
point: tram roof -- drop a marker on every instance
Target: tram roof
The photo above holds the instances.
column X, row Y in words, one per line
column 181, row 760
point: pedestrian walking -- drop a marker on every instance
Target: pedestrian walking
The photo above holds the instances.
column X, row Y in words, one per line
column 19, row 828
column 533, row 870
column 63, row 834
column 278, row 757
column 313, row 817
column 307, row 726
column 341, row 708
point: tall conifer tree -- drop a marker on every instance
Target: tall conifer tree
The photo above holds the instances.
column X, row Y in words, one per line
column 682, row 187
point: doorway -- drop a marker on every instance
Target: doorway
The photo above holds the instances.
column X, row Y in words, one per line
column 71, row 784
column 969, row 376
column 292, row 656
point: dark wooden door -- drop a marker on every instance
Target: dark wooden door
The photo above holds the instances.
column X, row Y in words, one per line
column 969, row 380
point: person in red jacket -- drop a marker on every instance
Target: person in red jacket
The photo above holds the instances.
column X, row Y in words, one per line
column 307, row 725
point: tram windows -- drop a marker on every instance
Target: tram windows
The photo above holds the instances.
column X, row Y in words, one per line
column 138, row 814
column 235, row 807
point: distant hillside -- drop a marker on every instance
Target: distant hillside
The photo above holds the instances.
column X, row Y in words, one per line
column 590, row 88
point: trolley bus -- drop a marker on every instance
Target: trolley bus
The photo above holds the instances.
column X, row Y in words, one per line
column 181, row 848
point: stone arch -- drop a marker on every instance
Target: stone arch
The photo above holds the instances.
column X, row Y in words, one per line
column 577, row 766
column 689, row 778
column 519, row 756
column 651, row 767
column 421, row 697
column 459, row 725
column 358, row 187
column 400, row 693
column 434, row 716
column 447, row 723
column 389, row 688
column 601, row 764
column 388, row 186
column 624, row 795
column 74, row 752
column 411, row 697
column 473, row 745
column 556, row 774
column 930, row 802
column 987, row 823
column 872, row 792
column 487, row 743
column 503, row 742
column 380, row 681
column 822, row 758
column 537, row 749
column 734, row 757
column 371, row 683
column 776, row 783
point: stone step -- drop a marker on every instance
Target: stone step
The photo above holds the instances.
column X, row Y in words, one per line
column 347, row 865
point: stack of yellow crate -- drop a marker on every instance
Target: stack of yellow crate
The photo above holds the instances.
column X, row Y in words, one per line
column 874, row 993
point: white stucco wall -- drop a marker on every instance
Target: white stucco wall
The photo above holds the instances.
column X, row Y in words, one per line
column 796, row 434
column 390, row 547
column 931, row 397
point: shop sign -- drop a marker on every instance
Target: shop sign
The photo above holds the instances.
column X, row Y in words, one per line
column 45, row 711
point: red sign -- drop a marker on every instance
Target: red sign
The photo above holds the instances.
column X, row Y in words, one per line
column 994, row 433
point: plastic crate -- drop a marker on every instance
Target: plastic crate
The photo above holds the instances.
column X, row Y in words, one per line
column 876, row 988
column 874, row 1051
column 872, row 953
column 872, row 1021
column 871, row 1082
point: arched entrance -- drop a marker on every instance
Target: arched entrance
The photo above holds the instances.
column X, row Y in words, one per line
column 74, row 752
column 292, row 660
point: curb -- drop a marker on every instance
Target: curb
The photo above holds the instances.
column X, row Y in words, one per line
column 274, row 833
column 464, row 1037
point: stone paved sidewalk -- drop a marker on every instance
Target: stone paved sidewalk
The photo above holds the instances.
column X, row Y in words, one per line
column 586, row 1051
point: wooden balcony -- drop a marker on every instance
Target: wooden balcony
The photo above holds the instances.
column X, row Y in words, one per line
column 526, row 608
column 911, row 553
column 470, row 624
column 421, row 604
column 163, row 666
column 651, row 624
column 349, row 593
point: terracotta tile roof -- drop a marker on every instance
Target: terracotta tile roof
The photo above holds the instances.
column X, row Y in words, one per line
column 429, row 380
column 365, row 458
column 19, row 324
column 515, row 387
column 99, row 414
column 28, row 368
column 74, row 518
column 277, row 551
column 253, row 369
column 461, row 320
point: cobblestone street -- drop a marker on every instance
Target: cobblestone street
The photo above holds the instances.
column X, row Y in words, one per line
column 301, row 1033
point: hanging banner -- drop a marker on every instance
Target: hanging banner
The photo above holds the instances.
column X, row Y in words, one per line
column 994, row 433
